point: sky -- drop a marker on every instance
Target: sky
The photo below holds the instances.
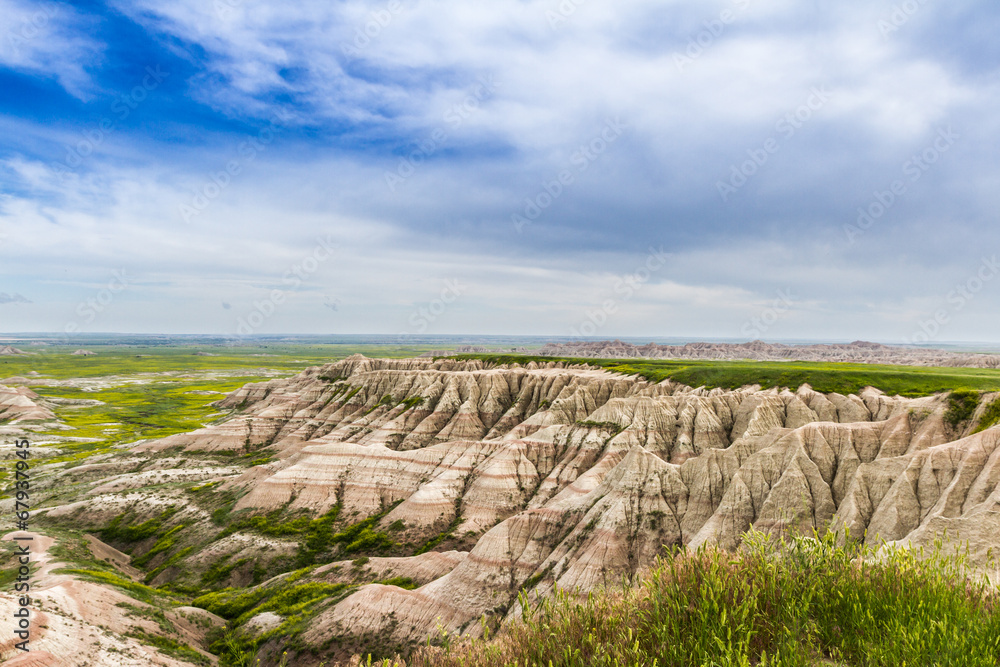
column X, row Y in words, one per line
column 740, row 169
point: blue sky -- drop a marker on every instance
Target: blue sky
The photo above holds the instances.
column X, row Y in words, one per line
column 559, row 167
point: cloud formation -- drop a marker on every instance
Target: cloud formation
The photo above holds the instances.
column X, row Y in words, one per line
column 6, row 298
column 534, row 150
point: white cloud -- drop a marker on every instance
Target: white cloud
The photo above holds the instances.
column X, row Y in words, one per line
column 49, row 39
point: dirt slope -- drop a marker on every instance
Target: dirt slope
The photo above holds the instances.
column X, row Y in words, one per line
column 85, row 623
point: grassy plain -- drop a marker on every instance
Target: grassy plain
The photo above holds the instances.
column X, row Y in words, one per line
column 144, row 392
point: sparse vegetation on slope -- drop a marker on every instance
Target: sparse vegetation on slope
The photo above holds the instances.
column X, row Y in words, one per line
column 991, row 416
column 293, row 601
column 316, row 536
column 812, row 603
column 962, row 403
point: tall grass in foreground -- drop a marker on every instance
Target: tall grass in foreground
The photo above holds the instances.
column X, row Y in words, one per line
column 810, row 602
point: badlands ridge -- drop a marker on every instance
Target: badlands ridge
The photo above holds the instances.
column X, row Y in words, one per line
column 522, row 478
column 857, row 352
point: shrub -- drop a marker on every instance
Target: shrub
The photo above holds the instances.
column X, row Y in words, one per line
column 962, row 404
column 116, row 532
column 991, row 416
column 809, row 602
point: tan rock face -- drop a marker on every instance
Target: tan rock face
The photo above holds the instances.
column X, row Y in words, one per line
column 575, row 477
column 858, row 351
column 19, row 404
column 76, row 622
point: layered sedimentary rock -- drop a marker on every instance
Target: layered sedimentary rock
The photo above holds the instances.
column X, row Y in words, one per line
column 576, row 477
column 19, row 404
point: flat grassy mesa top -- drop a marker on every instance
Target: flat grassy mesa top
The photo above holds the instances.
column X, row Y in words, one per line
column 843, row 378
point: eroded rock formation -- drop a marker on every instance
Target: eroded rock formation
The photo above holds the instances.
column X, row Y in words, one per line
column 858, row 351
column 576, row 477
column 19, row 404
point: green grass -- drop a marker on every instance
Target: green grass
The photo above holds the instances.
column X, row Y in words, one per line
column 56, row 361
column 317, row 537
column 844, row 378
column 170, row 647
column 119, row 530
column 442, row 536
column 991, row 416
column 138, row 591
column 810, row 603
column 961, row 405
column 402, row 582
column 296, row 603
column 164, row 543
